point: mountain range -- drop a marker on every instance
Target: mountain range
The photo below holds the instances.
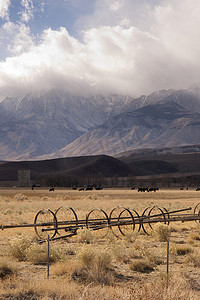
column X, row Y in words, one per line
column 58, row 124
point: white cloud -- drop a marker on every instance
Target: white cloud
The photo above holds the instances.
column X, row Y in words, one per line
column 116, row 59
column 4, row 7
column 19, row 36
column 125, row 22
column 116, row 5
column 27, row 13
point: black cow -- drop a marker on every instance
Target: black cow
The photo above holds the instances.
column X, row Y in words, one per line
column 153, row 189
column 51, row 189
column 89, row 189
column 142, row 189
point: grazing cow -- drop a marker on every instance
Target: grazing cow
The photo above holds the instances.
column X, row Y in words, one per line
column 133, row 188
column 142, row 189
column 198, row 189
column 153, row 189
column 81, row 189
column 89, row 189
column 51, row 189
column 98, row 188
column 74, row 188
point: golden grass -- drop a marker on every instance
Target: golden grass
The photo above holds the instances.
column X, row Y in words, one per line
column 180, row 249
column 142, row 265
column 18, row 246
column 161, row 232
column 93, row 268
column 38, row 254
column 7, row 269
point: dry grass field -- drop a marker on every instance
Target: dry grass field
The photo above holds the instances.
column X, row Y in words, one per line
column 88, row 267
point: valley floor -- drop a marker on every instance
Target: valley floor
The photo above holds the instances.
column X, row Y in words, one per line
column 87, row 266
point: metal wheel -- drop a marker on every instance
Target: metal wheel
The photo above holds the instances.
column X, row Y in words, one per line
column 113, row 217
column 67, row 220
column 166, row 214
column 121, row 221
column 98, row 222
column 197, row 212
column 136, row 216
column 144, row 217
column 126, row 222
column 149, row 220
column 45, row 224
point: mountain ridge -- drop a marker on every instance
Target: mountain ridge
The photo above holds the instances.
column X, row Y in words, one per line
column 157, row 125
column 52, row 124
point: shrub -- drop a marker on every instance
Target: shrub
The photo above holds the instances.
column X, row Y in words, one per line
column 141, row 265
column 38, row 254
column 6, row 270
column 161, row 232
column 119, row 251
column 95, row 266
column 194, row 258
column 84, row 236
column 141, row 252
column 86, row 257
column 18, row 246
column 180, row 249
column 20, row 197
column 193, row 237
column 63, row 268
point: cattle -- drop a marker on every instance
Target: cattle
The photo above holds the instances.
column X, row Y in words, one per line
column 98, row 188
column 146, row 189
column 51, row 189
column 142, row 189
column 197, row 189
column 133, row 188
column 89, row 188
column 74, row 188
column 153, row 189
column 81, row 189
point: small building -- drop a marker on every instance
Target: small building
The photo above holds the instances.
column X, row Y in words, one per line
column 24, row 178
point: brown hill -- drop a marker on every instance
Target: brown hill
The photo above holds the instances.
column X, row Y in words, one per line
column 103, row 165
column 106, row 166
column 165, row 163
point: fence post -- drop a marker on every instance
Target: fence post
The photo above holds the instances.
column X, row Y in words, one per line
column 48, row 258
column 167, row 262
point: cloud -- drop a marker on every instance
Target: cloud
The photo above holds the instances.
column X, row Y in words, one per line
column 4, row 7
column 116, row 5
column 129, row 58
column 27, row 13
column 20, row 37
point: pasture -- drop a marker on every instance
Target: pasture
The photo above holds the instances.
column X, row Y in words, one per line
column 87, row 266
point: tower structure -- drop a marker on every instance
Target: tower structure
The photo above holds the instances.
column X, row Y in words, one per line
column 24, row 178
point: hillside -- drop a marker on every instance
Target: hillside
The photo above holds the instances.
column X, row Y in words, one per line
column 102, row 166
column 42, row 123
column 87, row 166
column 164, row 124
column 46, row 125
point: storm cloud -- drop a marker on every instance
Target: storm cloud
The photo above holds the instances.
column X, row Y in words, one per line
column 125, row 47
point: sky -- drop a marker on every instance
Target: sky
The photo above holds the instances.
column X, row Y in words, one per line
column 128, row 47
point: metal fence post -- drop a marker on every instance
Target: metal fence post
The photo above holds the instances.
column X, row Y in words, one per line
column 167, row 262
column 48, row 258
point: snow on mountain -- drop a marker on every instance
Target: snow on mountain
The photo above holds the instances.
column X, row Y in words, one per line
column 162, row 124
column 42, row 123
column 57, row 124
